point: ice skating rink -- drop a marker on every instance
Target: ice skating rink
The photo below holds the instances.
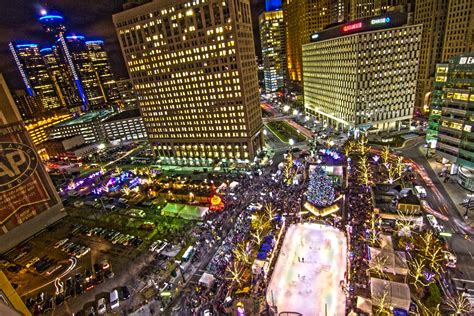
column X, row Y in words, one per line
column 306, row 287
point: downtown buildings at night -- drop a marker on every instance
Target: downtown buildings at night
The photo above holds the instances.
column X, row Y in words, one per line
column 72, row 72
column 362, row 74
column 448, row 30
column 193, row 66
column 272, row 38
column 451, row 121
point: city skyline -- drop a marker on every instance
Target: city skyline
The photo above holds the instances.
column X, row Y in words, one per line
column 19, row 24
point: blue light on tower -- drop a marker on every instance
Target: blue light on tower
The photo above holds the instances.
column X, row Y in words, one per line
column 272, row 5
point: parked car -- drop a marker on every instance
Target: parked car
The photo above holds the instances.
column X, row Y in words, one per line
column 125, row 293
column 101, row 307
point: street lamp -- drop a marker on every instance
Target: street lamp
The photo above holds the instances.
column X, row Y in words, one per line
column 291, row 142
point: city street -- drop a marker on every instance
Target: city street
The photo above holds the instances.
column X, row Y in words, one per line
column 440, row 200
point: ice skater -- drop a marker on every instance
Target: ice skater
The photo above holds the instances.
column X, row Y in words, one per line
column 299, row 259
column 302, row 259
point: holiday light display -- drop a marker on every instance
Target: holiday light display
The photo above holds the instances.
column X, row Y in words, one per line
column 320, row 189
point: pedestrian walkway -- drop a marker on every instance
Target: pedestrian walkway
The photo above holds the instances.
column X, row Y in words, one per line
column 456, row 192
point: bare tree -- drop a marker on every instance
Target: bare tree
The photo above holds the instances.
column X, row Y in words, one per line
column 458, row 305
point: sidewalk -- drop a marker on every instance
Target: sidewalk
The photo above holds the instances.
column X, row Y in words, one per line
column 456, row 192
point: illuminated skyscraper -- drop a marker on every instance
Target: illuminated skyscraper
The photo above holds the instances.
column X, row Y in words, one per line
column 362, row 74
column 35, row 75
column 193, row 66
column 448, row 31
column 71, row 73
column 302, row 18
column 452, row 118
column 367, row 8
column 103, row 71
column 272, row 38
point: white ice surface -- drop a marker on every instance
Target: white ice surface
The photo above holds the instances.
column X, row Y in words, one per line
column 307, row 287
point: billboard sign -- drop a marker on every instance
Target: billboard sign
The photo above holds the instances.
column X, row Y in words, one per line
column 25, row 189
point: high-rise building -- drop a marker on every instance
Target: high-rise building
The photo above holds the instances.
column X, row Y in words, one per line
column 128, row 96
column 27, row 105
column 459, row 32
column 193, row 66
column 103, row 71
column 28, row 199
column 452, row 115
column 71, row 73
column 272, row 39
column 302, row 18
column 339, row 10
column 363, row 73
column 368, row 8
column 34, row 73
column 432, row 14
column 448, row 31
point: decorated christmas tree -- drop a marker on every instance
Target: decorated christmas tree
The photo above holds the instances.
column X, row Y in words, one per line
column 320, row 189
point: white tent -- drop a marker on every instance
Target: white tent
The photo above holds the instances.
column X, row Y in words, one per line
column 364, row 304
column 206, row 279
column 390, row 294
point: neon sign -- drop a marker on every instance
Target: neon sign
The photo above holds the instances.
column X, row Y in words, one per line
column 353, row 26
column 380, row 21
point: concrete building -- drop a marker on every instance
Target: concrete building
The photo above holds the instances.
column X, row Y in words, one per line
column 37, row 129
column 448, row 31
column 193, row 66
column 272, row 39
column 452, row 118
column 88, row 125
column 367, row 8
column 125, row 126
column 29, row 106
column 69, row 148
column 363, row 73
column 28, row 199
column 302, row 19
column 128, row 96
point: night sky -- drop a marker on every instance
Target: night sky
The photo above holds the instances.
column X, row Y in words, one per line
column 91, row 18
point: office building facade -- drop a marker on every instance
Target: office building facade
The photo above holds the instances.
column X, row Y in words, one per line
column 368, row 8
column 34, row 74
column 28, row 106
column 302, row 18
column 124, row 126
column 272, row 39
column 452, row 113
column 193, row 66
column 448, row 28
column 128, row 96
column 28, row 199
column 71, row 73
column 362, row 74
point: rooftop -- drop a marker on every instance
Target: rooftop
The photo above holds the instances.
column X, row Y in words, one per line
column 124, row 115
column 86, row 118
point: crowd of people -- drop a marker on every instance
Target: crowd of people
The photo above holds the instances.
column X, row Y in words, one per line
column 359, row 210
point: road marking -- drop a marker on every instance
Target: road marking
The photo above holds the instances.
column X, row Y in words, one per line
column 463, row 280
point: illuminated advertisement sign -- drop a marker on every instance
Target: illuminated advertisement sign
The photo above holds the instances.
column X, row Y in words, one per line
column 25, row 189
column 380, row 20
column 353, row 26
column 466, row 60
column 388, row 20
